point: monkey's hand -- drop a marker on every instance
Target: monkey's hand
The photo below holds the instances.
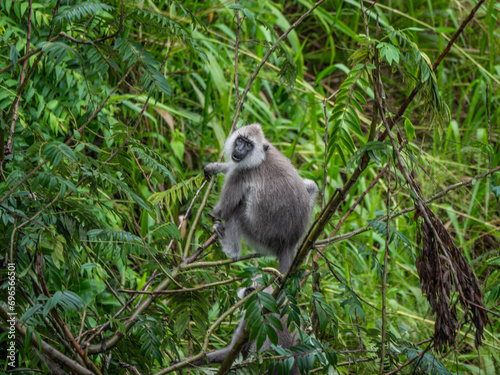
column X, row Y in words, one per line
column 214, row 168
column 219, row 228
column 210, row 170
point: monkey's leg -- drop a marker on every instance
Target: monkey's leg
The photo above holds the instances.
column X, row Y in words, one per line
column 230, row 239
column 218, row 356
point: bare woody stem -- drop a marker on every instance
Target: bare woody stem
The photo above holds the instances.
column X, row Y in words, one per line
column 442, row 193
column 325, row 166
column 415, row 91
column 80, row 130
column 22, row 77
column 46, row 349
column 384, row 273
column 236, row 49
column 335, row 201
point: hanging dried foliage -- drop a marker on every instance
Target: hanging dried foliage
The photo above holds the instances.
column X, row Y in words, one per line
column 442, row 270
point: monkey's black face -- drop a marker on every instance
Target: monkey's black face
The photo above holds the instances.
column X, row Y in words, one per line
column 248, row 291
column 242, row 146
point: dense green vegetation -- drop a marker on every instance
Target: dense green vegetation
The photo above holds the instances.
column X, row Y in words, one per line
column 110, row 110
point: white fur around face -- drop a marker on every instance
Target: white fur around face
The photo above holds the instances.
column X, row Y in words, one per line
column 241, row 293
column 252, row 160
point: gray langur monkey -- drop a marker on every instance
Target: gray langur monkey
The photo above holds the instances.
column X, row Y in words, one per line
column 263, row 198
column 286, row 339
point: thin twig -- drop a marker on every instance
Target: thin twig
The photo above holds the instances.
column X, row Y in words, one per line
column 27, row 218
column 80, row 130
column 185, row 290
column 209, row 333
column 325, row 166
column 328, row 263
column 264, row 60
column 185, row 216
column 358, row 201
column 149, row 184
column 144, row 175
column 13, row 111
column 12, row 237
column 392, row 121
column 27, row 56
column 58, row 319
column 82, row 324
column 47, row 349
column 409, row 361
column 21, row 83
column 361, row 348
column 457, row 34
column 236, row 49
column 202, row 248
column 88, row 42
column 489, row 138
column 442, row 193
column 106, row 281
column 197, row 217
column 384, row 273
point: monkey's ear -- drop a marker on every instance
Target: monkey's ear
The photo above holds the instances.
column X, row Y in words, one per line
column 266, row 146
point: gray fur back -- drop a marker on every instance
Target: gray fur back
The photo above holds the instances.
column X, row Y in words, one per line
column 264, row 216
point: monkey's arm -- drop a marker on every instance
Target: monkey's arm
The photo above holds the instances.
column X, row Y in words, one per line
column 230, row 200
column 214, row 168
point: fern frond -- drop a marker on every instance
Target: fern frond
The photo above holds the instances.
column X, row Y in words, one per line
column 114, row 235
column 162, row 25
column 177, row 193
column 149, row 338
column 152, row 159
column 83, row 10
column 109, row 180
column 428, row 363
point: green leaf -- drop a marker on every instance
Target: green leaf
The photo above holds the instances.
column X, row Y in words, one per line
column 160, row 81
column 67, row 152
column 82, row 10
column 249, row 15
column 360, row 97
column 493, row 295
column 13, row 54
column 410, row 130
column 51, row 303
column 261, row 336
column 274, row 320
column 271, row 333
column 332, row 358
column 134, row 196
column 165, row 230
column 30, row 312
column 268, row 302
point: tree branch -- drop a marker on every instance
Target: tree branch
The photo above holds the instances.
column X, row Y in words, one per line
column 46, row 348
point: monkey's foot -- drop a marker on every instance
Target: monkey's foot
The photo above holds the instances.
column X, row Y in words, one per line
column 218, row 227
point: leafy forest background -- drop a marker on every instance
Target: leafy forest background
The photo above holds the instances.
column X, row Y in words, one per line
column 109, row 112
